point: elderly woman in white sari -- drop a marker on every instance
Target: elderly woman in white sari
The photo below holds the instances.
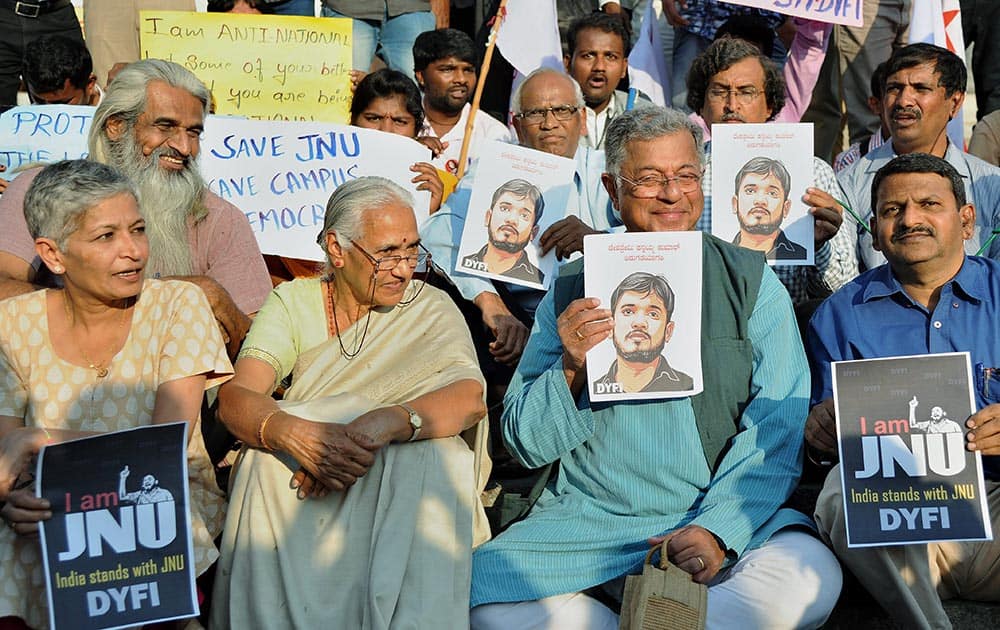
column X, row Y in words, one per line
column 376, row 528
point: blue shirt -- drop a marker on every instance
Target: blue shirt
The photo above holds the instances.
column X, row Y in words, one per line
column 873, row 317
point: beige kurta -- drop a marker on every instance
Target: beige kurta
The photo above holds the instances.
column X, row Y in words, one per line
column 173, row 335
column 393, row 551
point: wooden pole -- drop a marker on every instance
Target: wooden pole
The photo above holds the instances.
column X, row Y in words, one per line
column 483, row 71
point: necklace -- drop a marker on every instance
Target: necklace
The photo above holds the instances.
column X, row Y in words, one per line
column 331, row 313
column 101, row 367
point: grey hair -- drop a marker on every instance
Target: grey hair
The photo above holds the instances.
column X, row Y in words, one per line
column 515, row 100
column 63, row 192
column 646, row 123
column 125, row 98
column 351, row 200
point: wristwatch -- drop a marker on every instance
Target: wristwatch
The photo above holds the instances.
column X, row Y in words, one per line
column 416, row 422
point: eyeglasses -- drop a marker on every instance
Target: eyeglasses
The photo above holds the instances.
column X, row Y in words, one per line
column 744, row 95
column 417, row 262
column 536, row 116
column 648, row 186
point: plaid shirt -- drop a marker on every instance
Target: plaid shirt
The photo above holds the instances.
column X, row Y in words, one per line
column 706, row 16
column 835, row 262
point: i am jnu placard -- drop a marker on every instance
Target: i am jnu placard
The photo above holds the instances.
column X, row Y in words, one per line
column 907, row 476
column 118, row 549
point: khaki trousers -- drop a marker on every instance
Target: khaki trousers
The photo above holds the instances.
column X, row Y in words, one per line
column 909, row 581
column 112, row 29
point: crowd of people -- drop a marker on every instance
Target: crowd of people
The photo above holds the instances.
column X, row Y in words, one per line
column 376, row 401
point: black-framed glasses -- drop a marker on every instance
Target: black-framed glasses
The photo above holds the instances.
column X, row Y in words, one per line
column 649, row 186
column 536, row 116
column 417, row 262
column 744, row 95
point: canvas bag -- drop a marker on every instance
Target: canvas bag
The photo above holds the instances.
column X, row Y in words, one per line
column 664, row 597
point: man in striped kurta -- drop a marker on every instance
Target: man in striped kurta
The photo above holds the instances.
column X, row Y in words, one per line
column 712, row 470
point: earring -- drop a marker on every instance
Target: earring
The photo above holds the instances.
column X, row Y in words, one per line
column 57, row 269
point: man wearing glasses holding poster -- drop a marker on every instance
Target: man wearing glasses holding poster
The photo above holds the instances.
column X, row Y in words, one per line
column 710, row 471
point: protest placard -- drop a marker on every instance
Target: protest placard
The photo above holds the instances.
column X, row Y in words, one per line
column 846, row 12
column 759, row 174
column 282, row 174
column 517, row 194
column 906, row 475
column 118, row 549
column 651, row 283
column 269, row 67
column 43, row 134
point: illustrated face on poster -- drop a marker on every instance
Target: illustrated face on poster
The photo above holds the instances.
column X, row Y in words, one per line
column 517, row 194
column 511, row 226
column 762, row 191
column 653, row 288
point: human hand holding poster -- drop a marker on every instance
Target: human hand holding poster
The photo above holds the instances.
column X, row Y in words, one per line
column 759, row 175
column 268, row 67
column 906, row 475
column 118, row 548
column 651, row 282
column 846, row 12
column 518, row 193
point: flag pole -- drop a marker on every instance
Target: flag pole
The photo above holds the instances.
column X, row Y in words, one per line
column 483, row 71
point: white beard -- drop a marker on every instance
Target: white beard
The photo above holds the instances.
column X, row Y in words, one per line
column 167, row 200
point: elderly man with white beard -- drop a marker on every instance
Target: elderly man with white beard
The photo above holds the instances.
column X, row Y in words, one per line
column 149, row 126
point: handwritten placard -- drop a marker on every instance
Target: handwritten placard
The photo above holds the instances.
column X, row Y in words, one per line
column 281, row 174
column 43, row 134
column 846, row 12
column 266, row 67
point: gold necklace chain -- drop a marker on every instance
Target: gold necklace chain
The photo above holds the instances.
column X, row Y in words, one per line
column 101, row 368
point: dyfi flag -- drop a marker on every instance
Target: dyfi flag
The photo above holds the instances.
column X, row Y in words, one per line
column 647, row 70
column 939, row 22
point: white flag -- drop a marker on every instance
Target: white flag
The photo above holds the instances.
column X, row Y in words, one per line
column 939, row 22
column 529, row 35
column 647, row 70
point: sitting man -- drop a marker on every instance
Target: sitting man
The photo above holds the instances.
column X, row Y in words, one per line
column 548, row 116
column 924, row 89
column 444, row 63
column 711, row 470
column 930, row 297
column 734, row 83
column 149, row 126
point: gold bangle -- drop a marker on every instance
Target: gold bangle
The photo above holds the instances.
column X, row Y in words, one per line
column 260, row 430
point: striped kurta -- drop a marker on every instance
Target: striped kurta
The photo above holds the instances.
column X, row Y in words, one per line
column 633, row 470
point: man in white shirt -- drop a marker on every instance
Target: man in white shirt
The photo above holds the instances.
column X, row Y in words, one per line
column 444, row 66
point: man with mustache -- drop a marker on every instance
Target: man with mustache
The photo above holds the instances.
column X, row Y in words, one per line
column 732, row 82
column 642, row 307
column 444, row 63
column 931, row 297
column 924, row 89
column 149, row 126
column 760, row 202
column 512, row 223
column 598, row 61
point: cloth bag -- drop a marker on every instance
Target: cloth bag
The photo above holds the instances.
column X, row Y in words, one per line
column 664, row 597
